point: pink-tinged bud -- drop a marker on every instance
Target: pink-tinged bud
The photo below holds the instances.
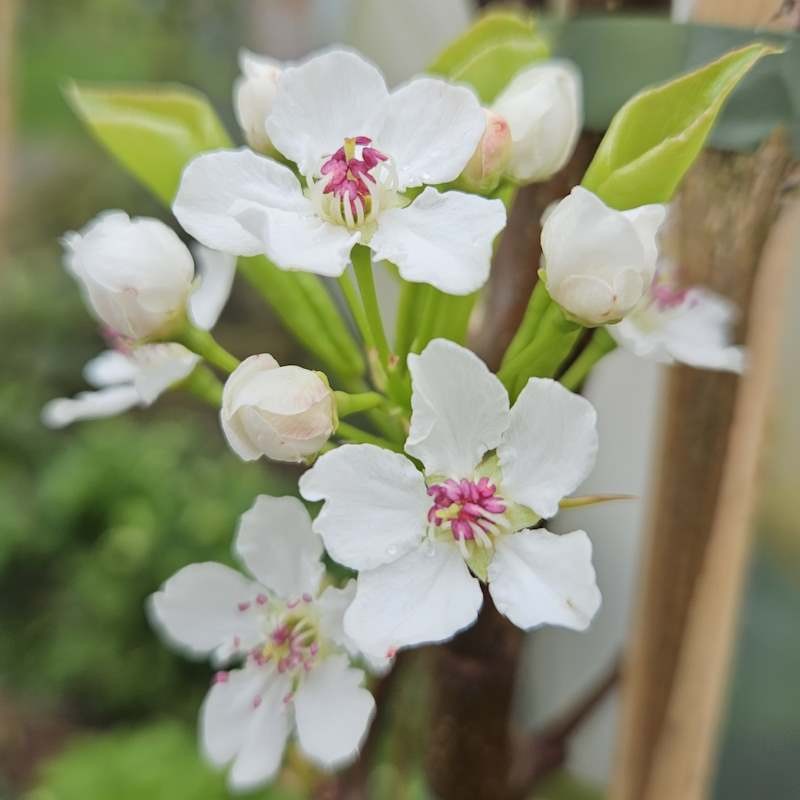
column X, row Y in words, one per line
column 490, row 159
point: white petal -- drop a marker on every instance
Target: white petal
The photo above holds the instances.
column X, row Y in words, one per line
column 89, row 405
column 539, row 578
column 426, row 596
column 441, row 239
column 331, row 605
column 109, row 368
column 332, row 712
column 430, row 129
column 277, row 545
column 376, row 504
column 549, row 447
column 160, row 366
column 233, row 724
column 459, row 409
column 301, row 242
column 265, row 737
column 198, row 609
column 215, row 271
column 217, row 187
column 319, row 103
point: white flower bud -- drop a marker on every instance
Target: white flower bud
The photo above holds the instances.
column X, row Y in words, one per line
column 490, row 159
column 284, row 413
column 544, row 109
column 136, row 274
column 253, row 94
column 599, row 262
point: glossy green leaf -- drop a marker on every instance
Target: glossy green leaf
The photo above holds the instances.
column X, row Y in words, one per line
column 491, row 52
column 654, row 138
column 152, row 131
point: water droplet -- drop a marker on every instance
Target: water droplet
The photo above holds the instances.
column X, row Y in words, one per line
column 391, row 551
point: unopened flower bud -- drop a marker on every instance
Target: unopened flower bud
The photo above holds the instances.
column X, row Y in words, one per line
column 284, row 413
column 599, row 262
column 253, row 94
column 490, row 159
column 543, row 107
column 136, row 274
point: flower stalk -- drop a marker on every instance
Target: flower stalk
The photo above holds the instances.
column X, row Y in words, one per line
column 205, row 345
column 362, row 265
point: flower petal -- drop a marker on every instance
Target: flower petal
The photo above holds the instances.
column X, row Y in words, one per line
column 234, row 725
column 301, row 242
column 332, row 712
column 217, row 187
column 108, row 402
column 540, row 578
column 215, row 272
column 277, row 545
column 549, row 447
column 441, row 239
column 430, row 129
column 204, row 608
column 331, row 605
column 426, row 596
column 459, row 409
column 109, row 368
column 160, row 366
column 319, row 103
column 376, row 504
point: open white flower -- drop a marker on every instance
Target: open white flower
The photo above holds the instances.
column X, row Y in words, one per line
column 138, row 277
column 544, row 109
column 285, row 413
column 296, row 673
column 123, row 380
column 599, row 262
column 253, row 94
column 359, row 149
column 491, row 473
column 691, row 326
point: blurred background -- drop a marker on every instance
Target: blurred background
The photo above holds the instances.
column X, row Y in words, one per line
column 95, row 517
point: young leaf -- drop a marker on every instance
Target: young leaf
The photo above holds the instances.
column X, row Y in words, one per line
column 152, row 131
column 491, row 52
column 654, row 138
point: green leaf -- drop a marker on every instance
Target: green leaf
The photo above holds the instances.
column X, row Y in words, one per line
column 491, row 52
column 152, row 131
column 654, row 138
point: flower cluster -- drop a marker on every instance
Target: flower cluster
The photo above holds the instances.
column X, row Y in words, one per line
column 444, row 488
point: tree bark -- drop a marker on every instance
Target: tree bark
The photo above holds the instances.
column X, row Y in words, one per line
column 725, row 210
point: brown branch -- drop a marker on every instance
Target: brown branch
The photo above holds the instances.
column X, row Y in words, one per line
column 546, row 750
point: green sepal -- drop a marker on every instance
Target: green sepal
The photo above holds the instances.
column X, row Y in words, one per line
column 478, row 562
column 654, row 138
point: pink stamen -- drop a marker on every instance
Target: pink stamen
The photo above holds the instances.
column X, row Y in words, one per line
column 261, row 599
column 257, row 701
column 347, row 176
column 473, row 501
column 243, row 606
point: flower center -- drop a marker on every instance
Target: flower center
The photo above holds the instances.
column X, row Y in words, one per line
column 472, row 510
column 353, row 183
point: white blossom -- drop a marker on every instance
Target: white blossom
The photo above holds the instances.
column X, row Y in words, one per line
column 599, row 263
column 253, row 95
column 692, row 326
column 544, row 109
column 123, row 380
column 138, row 277
column 287, row 634
column 359, row 150
column 284, row 413
column 490, row 159
column 421, row 540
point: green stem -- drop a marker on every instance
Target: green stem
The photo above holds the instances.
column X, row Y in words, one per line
column 347, row 404
column 205, row 345
column 356, row 309
column 203, row 383
column 600, row 345
column 350, row 433
column 537, row 305
column 362, row 265
column 411, row 296
column 430, row 311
